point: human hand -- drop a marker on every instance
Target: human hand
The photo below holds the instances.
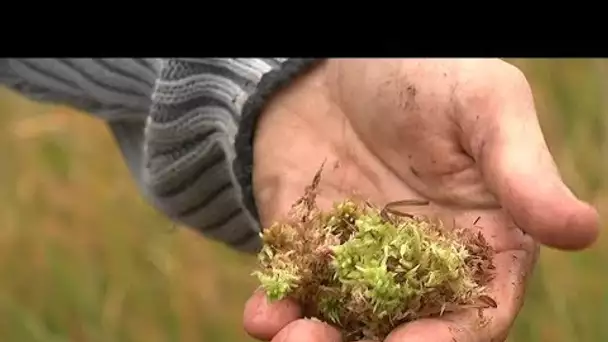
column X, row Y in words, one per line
column 462, row 134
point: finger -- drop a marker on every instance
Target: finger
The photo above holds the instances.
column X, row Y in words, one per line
column 263, row 319
column 426, row 330
column 306, row 330
column 507, row 141
column 475, row 325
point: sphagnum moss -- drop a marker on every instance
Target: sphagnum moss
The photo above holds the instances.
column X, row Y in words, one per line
column 366, row 270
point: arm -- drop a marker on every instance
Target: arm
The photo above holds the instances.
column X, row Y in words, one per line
column 175, row 122
column 115, row 90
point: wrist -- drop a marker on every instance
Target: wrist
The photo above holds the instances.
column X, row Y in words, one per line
column 270, row 84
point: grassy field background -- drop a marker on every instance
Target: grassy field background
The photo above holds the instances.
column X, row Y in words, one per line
column 83, row 258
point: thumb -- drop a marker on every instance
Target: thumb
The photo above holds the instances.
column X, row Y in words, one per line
column 521, row 172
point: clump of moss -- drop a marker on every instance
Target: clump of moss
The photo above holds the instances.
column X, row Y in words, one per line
column 367, row 270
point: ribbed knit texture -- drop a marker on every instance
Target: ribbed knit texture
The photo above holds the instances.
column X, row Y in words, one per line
column 175, row 121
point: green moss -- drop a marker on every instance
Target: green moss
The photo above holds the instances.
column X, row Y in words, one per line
column 365, row 270
column 392, row 266
column 280, row 280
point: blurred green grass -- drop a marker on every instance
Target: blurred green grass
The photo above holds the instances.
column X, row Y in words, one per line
column 84, row 258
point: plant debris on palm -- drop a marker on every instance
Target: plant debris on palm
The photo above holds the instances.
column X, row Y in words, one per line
column 367, row 270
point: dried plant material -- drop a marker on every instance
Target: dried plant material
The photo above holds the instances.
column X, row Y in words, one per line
column 366, row 270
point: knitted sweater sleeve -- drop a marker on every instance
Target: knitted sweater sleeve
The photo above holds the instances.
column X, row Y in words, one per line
column 176, row 122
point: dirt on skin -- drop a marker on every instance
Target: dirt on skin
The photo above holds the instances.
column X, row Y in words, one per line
column 367, row 270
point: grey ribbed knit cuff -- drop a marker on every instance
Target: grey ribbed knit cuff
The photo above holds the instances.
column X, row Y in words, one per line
column 270, row 84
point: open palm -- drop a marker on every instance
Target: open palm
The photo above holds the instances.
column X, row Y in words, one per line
column 462, row 134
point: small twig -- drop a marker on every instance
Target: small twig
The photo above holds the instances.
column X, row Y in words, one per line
column 410, row 202
column 389, row 208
